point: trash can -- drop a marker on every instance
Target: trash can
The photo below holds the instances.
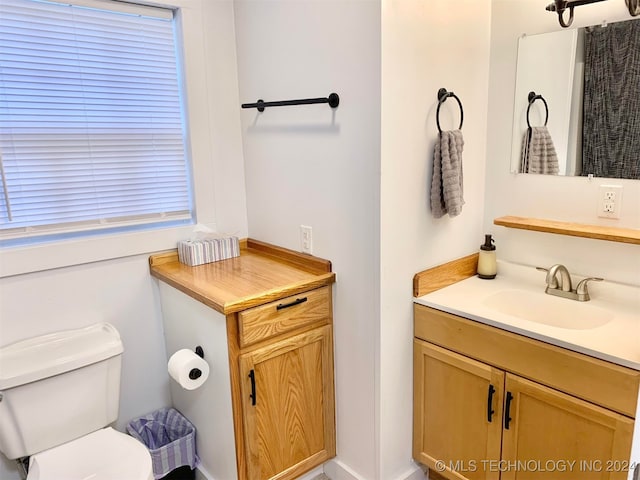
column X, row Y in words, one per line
column 171, row 440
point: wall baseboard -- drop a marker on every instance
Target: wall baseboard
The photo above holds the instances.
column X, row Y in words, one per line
column 415, row 473
column 202, row 474
column 336, row 470
column 315, row 474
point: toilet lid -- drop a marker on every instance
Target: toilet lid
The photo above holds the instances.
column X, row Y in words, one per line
column 103, row 455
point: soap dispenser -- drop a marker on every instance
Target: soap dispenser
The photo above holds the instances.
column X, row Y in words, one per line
column 487, row 265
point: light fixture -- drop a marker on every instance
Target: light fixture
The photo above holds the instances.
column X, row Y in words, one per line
column 560, row 6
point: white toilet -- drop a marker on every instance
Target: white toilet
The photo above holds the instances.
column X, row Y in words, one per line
column 58, row 394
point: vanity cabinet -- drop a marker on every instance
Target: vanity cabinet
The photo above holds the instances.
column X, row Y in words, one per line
column 265, row 322
column 545, row 424
column 492, row 404
column 451, row 400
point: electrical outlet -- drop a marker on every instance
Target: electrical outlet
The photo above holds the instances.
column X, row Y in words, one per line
column 306, row 239
column 609, row 201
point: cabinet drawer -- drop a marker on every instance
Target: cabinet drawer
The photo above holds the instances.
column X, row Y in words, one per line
column 603, row 383
column 266, row 321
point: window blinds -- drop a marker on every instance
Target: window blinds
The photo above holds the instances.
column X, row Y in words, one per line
column 91, row 121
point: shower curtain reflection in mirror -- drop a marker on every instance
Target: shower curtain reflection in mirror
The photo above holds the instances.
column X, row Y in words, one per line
column 611, row 125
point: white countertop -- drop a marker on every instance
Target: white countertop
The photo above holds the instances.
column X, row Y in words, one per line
column 615, row 338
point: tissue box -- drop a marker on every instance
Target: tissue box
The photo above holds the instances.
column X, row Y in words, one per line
column 207, row 250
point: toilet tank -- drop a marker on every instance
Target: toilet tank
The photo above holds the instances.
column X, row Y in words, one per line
column 57, row 387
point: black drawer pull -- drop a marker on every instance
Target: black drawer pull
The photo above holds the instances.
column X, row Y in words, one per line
column 490, row 410
column 252, row 377
column 297, row 301
column 507, row 411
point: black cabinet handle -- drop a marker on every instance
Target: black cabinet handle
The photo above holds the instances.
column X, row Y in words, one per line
column 297, row 301
column 252, row 376
column 507, row 411
column 490, row 410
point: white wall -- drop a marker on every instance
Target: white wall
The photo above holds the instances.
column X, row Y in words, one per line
column 559, row 198
column 314, row 166
column 425, row 46
column 107, row 279
column 307, row 165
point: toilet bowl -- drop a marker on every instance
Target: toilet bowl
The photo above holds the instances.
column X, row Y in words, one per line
column 103, row 455
column 60, row 394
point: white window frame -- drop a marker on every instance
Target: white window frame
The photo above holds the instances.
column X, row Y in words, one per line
column 37, row 257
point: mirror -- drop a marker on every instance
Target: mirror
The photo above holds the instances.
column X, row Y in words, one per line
column 585, row 85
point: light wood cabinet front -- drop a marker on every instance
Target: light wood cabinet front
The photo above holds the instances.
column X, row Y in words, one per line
column 537, row 432
column 555, row 436
column 282, row 316
column 288, row 405
column 457, row 412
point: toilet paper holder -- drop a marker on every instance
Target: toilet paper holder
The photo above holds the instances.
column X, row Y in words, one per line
column 196, row 373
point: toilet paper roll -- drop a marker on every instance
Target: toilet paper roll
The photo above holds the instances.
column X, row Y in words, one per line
column 188, row 369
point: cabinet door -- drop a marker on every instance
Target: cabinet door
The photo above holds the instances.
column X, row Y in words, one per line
column 288, row 405
column 452, row 420
column 548, row 430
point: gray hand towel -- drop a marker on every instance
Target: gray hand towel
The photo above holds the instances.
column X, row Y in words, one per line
column 446, row 180
column 538, row 153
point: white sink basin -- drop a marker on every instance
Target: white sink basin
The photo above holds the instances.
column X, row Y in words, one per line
column 605, row 327
column 548, row 310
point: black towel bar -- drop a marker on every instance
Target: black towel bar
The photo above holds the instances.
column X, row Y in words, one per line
column 333, row 100
column 532, row 98
column 442, row 97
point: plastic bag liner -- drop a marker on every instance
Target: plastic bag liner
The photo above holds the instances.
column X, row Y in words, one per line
column 170, row 438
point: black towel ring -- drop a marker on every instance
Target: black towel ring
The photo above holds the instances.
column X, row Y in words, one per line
column 442, row 96
column 532, row 98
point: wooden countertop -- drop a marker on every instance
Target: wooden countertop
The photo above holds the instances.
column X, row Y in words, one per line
column 261, row 274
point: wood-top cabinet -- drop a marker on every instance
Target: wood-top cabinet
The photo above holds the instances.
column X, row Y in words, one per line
column 486, row 407
column 265, row 323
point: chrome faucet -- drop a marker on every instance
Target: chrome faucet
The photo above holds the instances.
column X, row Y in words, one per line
column 565, row 278
column 559, row 283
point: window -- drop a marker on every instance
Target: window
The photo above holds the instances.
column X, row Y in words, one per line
column 91, row 119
